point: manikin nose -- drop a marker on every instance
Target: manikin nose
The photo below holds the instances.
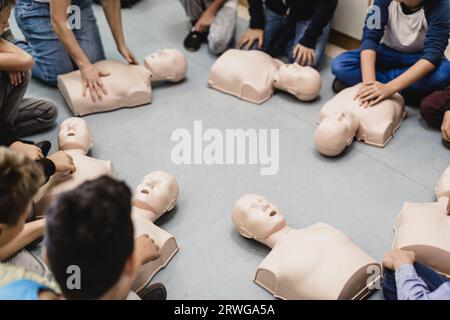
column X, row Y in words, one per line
column 273, row 213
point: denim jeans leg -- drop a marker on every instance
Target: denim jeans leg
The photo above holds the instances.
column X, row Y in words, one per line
column 88, row 36
column 300, row 29
column 276, row 33
column 51, row 58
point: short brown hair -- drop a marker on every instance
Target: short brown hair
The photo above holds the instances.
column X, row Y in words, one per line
column 20, row 179
column 6, row 3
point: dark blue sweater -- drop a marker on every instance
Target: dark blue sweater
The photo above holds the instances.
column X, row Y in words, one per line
column 437, row 13
column 320, row 12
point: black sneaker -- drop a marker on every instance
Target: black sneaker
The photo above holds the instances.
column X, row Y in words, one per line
column 156, row 291
column 194, row 40
column 338, row 86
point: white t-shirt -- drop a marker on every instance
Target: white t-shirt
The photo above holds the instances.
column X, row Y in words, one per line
column 405, row 32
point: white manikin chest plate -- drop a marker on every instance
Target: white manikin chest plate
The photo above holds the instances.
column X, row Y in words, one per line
column 377, row 124
column 164, row 240
column 127, row 86
column 247, row 75
column 443, row 185
column 425, row 229
column 318, row 262
column 87, row 169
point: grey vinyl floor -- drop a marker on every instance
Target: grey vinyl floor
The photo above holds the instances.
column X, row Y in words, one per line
column 361, row 192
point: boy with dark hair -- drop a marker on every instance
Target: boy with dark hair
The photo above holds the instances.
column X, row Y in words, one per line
column 410, row 58
column 298, row 30
column 90, row 245
column 20, row 179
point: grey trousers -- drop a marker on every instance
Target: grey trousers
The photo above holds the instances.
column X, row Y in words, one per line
column 21, row 116
column 221, row 31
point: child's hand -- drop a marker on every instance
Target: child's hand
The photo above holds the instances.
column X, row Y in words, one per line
column 16, row 78
column 146, row 249
column 396, row 258
column 251, row 36
column 29, row 150
column 446, row 127
column 373, row 93
column 204, row 22
column 304, row 56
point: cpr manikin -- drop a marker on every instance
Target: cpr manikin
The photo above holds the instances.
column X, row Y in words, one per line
column 315, row 263
column 126, row 85
column 342, row 119
column 156, row 195
column 425, row 229
column 254, row 75
column 76, row 140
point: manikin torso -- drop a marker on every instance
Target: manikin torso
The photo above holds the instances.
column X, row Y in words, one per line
column 318, row 262
column 154, row 197
column 144, row 225
column 376, row 125
column 298, row 267
column 127, row 86
column 425, row 229
column 75, row 139
column 253, row 76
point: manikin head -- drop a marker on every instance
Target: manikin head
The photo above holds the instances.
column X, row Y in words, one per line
column 157, row 193
column 74, row 134
column 443, row 185
column 256, row 218
column 167, row 65
column 335, row 133
column 302, row 82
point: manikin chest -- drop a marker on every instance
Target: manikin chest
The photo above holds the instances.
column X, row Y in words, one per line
column 247, row 75
column 126, row 86
column 377, row 124
column 425, row 229
column 164, row 240
column 87, row 169
column 319, row 262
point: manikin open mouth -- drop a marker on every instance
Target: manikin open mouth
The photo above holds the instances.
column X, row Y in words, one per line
column 272, row 213
column 71, row 134
column 145, row 191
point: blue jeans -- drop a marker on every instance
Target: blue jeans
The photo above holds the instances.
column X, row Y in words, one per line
column 390, row 64
column 282, row 34
column 51, row 57
column 432, row 279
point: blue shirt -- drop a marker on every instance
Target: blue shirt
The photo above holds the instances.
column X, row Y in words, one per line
column 22, row 290
column 411, row 287
column 437, row 13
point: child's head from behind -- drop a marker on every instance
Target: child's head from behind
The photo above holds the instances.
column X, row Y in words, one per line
column 90, row 241
column 5, row 13
column 20, row 179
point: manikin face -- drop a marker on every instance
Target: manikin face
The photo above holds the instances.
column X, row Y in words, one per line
column 335, row 133
column 297, row 80
column 74, row 133
column 168, row 64
column 157, row 193
column 257, row 218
